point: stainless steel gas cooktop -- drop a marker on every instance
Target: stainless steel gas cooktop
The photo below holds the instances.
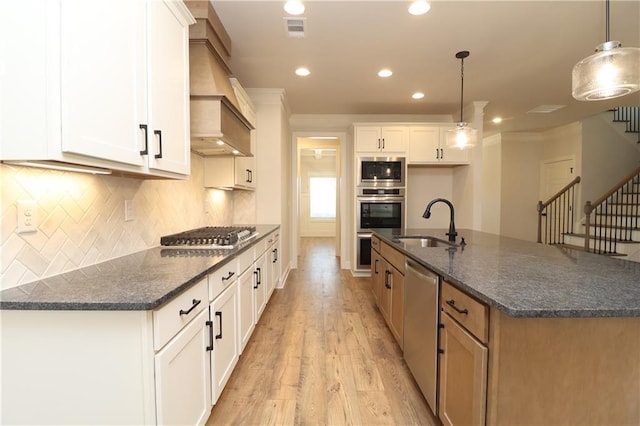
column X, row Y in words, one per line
column 210, row 237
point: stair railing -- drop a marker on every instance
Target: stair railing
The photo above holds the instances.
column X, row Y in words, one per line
column 558, row 214
column 615, row 215
column 630, row 116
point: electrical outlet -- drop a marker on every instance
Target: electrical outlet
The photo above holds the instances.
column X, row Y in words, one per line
column 129, row 213
column 27, row 216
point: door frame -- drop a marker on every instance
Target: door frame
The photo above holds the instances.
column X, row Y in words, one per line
column 342, row 213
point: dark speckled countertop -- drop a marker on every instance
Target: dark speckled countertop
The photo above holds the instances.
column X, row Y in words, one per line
column 526, row 279
column 139, row 281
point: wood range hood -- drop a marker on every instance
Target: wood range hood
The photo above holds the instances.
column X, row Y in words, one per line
column 215, row 113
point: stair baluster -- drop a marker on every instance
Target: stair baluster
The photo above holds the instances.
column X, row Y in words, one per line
column 557, row 215
column 616, row 216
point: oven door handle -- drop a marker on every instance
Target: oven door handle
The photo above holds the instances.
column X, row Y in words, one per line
column 364, row 235
column 382, row 198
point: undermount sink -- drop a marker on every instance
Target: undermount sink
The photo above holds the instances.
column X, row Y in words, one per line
column 423, row 241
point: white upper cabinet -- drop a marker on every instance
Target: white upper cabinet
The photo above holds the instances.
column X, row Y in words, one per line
column 103, row 84
column 427, row 146
column 391, row 139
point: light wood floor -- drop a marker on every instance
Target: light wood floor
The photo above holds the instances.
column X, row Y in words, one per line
column 321, row 354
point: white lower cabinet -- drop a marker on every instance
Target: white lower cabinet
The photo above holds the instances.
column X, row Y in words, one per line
column 273, row 261
column 182, row 376
column 166, row 366
column 246, row 316
column 260, row 277
column 224, row 330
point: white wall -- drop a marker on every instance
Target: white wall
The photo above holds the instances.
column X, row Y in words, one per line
column 273, row 165
column 423, row 185
column 520, row 181
column 491, row 184
column 607, row 156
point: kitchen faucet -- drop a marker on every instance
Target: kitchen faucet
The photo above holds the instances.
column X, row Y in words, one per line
column 452, row 226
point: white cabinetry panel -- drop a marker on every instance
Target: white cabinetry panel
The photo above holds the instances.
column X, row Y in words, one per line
column 182, row 376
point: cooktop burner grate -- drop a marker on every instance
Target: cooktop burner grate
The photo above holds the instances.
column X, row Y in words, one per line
column 210, row 237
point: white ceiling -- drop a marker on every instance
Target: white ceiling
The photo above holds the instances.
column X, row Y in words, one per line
column 522, row 54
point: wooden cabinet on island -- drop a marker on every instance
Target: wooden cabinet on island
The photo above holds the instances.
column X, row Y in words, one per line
column 388, row 286
column 463, row 359
column 532, row 334
column 109, row 93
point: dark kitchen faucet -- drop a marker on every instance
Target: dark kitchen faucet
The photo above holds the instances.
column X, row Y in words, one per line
column 452, row 226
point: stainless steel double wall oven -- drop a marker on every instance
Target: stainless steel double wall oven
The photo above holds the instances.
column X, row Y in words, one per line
column 380, row 200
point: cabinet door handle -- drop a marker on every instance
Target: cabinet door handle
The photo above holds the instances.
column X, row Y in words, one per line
column 248, row 175
column 255, row 275
column 219, row 315
column 437, row 153
column 159, row 133
column 382, row 143
column 145, row 151
column 375, row 266
column 275, row 255
column 228, row 276
column 442, row 153
column 259, row 276
column 452, row 303
column 386, row 279
column 210, row 325
column 195, row 302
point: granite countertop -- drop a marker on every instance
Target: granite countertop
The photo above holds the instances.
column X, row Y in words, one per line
column 140, row 281
column 526, row 279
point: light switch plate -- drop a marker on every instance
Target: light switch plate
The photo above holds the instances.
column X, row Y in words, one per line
column 129, row 212
column 27, row 216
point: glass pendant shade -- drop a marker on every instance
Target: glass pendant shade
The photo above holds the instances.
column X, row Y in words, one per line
column 611, row 72
column 461, row 137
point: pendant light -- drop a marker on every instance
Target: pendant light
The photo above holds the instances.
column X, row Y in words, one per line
column 462, row 136
column 611, row 72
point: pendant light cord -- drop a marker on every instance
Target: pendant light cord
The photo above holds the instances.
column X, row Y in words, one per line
column 607, row 35
column 461, row 87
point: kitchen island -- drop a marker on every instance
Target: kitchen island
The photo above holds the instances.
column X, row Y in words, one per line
column 147, row 338
column 555, row 338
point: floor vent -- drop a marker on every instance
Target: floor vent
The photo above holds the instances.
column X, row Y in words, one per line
column 295, row 27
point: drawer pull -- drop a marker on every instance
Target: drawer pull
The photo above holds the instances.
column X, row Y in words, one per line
column 452, row 303
column 219, row 315
column 228, row 276
column 195, row 302
column 210, row 325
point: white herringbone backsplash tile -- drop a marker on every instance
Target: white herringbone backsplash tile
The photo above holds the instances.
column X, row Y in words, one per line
column 81, row 217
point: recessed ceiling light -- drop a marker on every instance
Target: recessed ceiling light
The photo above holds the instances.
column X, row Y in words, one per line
column 419, row 7
column 497, row 120
column 294, row 7
column 385, row 73
column 219, row 142
column 303, row 72
column 418, row 95
column 235, row 152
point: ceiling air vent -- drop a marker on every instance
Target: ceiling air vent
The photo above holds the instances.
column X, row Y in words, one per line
column 545, row 109
column 294, row 27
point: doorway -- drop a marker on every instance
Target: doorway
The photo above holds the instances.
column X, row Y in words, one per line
column 318, row 189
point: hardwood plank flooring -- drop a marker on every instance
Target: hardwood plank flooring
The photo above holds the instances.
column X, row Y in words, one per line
column 323, row 355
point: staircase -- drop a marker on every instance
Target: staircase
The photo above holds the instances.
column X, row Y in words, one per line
column 630, row 116
column 612, row 223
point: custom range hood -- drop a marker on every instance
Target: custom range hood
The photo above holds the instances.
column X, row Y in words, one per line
column 218, row 126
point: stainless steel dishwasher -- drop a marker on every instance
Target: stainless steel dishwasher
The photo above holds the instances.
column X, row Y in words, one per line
column 421, row 294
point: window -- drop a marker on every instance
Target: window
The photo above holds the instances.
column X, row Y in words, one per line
column 322, row 197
